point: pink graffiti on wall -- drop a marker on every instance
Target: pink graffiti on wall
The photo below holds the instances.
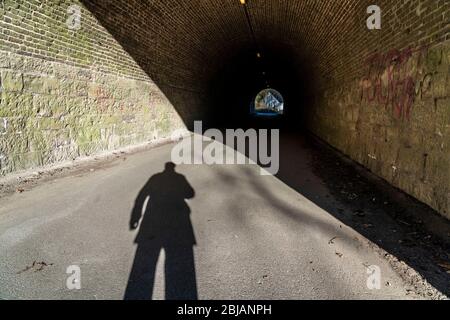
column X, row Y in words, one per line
column 391, row 80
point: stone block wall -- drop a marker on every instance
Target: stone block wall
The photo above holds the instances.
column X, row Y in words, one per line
column 69, row 93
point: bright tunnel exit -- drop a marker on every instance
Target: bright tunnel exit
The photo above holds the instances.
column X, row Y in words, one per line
column 268, row 103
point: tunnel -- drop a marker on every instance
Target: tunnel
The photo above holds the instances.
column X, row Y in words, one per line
column 221, row 64
column 365, row 121
column 211, row 59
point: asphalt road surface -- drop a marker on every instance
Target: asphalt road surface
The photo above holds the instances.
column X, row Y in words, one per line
column 136, row 228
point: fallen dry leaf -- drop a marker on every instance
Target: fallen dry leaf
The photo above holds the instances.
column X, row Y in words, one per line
column 359, row 213
column 36, row 266
column 445, row 265
column 331, row 241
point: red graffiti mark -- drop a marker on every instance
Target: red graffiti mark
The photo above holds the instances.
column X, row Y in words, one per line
column 104, row 99
column 388, row 81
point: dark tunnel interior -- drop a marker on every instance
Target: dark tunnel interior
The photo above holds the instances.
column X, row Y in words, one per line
column 217, row 82
column 235, row 84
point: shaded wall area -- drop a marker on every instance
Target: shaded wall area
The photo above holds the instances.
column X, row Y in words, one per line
column 395, row 120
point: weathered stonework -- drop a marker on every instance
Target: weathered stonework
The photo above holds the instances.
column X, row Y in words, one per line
column 70, row 93
column 49, row 113
column 395, row 120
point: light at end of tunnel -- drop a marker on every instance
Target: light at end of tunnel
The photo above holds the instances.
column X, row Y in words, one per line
column 258, row 55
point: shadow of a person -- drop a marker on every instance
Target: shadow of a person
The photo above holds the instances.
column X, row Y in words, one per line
column 165, row 225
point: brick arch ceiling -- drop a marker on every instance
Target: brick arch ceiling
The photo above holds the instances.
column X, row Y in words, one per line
column 201, row 52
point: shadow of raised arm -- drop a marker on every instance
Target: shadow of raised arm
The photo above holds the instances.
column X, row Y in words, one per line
column 138, row 209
